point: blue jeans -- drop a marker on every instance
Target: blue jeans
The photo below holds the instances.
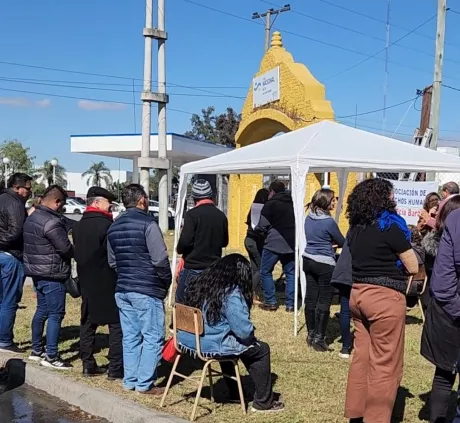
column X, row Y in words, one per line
column 269, row 260
column 345, row 316
column 143, row 325
column 11, row 286
column 184, row 278
column 51, row 297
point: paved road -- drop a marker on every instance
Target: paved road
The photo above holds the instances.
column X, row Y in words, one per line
column 28, row 405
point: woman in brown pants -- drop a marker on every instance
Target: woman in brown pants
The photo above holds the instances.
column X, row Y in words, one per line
column 382, row 259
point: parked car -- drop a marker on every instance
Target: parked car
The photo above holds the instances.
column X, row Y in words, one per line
column 73, row 207
column 117, row 209
column 79, row 200
column 154, row 208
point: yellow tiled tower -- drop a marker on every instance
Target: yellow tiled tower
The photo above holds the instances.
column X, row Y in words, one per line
column 302, row 102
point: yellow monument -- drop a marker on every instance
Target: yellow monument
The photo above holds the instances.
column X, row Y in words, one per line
column 297, row 100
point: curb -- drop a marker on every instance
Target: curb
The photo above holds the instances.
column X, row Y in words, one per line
column 94, row 401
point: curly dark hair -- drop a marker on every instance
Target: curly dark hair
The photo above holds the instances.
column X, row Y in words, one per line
column 213, row 285
column 368, row 200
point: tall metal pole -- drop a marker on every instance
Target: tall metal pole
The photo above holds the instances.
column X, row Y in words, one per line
column 385, row 88
column 437, row 79
column 162, row 147
column 146, row 102
column 267, row 18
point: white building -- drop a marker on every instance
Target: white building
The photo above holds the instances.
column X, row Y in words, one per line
column 76, row 182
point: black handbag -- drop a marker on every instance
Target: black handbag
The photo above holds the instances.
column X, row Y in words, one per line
column 72, row 286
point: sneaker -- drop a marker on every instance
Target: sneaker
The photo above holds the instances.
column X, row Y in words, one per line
column 37, row 356
column 12, row 349
column 56, row 363
column 275, row 408
column 344, row 353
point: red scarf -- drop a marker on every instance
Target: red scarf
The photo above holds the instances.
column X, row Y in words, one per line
column 95, row 209
column 206, row 201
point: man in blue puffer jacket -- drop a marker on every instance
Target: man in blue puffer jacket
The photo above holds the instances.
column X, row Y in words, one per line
column 137, row 252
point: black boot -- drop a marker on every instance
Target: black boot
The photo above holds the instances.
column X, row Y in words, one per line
column 319, row 342
column 310, row 319
column 358, row 420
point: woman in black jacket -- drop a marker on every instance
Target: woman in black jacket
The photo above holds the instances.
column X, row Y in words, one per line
column 254, row 242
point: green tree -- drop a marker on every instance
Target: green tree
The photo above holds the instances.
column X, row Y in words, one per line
column 46, row 174
column 38, row 188
column 116, row 187
column 220, row 129
column 20, row 158
column 98, row 173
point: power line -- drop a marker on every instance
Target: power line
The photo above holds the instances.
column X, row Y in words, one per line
column 450, row 88
column 354, row 31
column 18, row 80
column 381, row 50
column 417, row 69
column 97, row 100
column 379, row 110
column 420, row 34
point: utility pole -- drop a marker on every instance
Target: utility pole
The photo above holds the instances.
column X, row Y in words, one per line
column 437, row 80
column 148, row 97
column 426, row 108
column 267, row 18
column 385, row 87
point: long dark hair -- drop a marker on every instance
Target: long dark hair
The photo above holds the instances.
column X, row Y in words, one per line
column 213, row 285
column 426, row 204
column 368, row 200
column 451, row 204
column 261, row 196
column 322, row 200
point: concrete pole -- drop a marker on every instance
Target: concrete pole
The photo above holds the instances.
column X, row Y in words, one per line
column 135, row 177
column 163, row 220
column 146, row 104
column 268, row 25
column 437, row 80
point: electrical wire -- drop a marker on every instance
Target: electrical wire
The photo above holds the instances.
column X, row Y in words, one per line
column 354, row 31
column 379, row 110
column 381, row 50
column 18, row 80
column 285, row 31
column 382, row 21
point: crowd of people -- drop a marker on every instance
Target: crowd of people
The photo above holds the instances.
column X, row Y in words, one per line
column 124, row 275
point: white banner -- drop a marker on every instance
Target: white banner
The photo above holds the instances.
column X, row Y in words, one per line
column 266, row 88
column 410, row 196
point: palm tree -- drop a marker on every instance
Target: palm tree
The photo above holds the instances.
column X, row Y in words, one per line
column 98, row 173
column 46, row 174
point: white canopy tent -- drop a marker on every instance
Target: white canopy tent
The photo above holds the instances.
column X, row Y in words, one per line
column 323, row 147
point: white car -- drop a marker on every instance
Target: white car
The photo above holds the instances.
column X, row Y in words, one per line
column 154, row 207
column 117, row 209
column 73, row 207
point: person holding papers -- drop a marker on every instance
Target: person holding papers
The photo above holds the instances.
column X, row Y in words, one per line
column 254, row 241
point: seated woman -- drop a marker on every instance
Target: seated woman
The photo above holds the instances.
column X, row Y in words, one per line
column 223, row 293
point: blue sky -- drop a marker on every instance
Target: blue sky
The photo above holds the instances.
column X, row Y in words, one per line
column 207, row 49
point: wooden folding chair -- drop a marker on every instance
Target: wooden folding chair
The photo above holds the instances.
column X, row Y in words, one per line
column 189, row 319
column 420, row 279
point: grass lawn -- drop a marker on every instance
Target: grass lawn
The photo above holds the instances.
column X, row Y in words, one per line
column 312, row 384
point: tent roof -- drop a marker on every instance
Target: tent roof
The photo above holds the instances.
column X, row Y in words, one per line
column 324, row 147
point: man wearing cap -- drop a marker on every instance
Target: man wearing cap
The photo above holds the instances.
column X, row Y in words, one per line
column 97, row 282
column 203, row 236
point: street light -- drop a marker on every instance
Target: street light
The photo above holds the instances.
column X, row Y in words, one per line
column 54, row 163
column 6, row 162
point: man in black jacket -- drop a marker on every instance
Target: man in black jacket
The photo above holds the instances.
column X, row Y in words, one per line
column 47, row 256
column 12, row 217
column 277, row 223
column 204, row 235
column 97, row 282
